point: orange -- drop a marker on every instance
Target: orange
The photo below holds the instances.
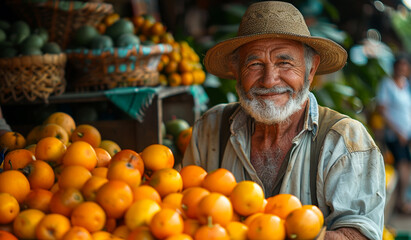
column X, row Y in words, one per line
column 211, row 231
column 141, row 233
column 86, row 133
column 130, row 156
column 174, row 79
column 183, row 139
column 52, row 226
column 103, row 157
column 157, row 156
column 265, row 226
column 215, row 206
column 180, row 236
column 173, row 201
column 199, row 76
column 14, row 183
column 146, row 192
column 282, row 204
column 9, row 208
column 110, row 146
column 65, row 200
column 166, row 181
column 54, row 130
column 34, row 135
column 185, row 66
column 62, row 119
column 166, row 222
column 74, row 176
column 157, row 29
column 38, row 199
column 24, row 226
column 80, row 153
column 220, row 180
column 121, row 231
column 187, row 78
column 140, row 213
column 89, row 215
column 124, row 171
column 50, row 149
column 90, row 188
column 100, row 172
column 237, row 230
column 40, row 174
column 250, row 218
column 247, row 198
column 191, row 226
column 17, row 159
column 12, row 140
column 190, row 200
column 104, row 235
column 302, row 223
column 77, row 233
column 192, row 176
column 175, row 55
column 317, row 211
column 115, row 197
column 167, row 37
column 7, row 236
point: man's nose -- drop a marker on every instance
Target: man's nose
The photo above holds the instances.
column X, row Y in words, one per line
column 271, row 76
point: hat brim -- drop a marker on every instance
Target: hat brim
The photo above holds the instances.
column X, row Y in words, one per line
column 333, row 57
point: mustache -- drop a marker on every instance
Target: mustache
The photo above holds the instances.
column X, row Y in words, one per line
column 277, row 90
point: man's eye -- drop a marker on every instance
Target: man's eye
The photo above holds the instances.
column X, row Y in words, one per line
column 284, row 64
column 256, row 64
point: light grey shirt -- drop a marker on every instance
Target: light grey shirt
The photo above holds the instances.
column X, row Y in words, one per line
column 350, row 179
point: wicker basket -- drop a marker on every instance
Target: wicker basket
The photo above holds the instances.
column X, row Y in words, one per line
column 61, row 18
column 32, row 77
column 115, row 67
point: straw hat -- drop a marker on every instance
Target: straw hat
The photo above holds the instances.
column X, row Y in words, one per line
column 272, row 19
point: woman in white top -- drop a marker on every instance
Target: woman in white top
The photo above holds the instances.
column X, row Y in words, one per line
column 394, row 101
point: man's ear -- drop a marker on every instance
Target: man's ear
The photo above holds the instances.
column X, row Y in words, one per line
column 314, row 67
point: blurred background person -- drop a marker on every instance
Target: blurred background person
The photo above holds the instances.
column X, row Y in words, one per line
column 394, row 104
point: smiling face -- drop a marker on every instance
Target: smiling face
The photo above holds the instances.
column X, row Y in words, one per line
column 272, row 81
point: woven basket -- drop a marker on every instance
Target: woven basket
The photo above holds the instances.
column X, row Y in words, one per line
column 32, row 77
column 61, row 18
column 115, row 67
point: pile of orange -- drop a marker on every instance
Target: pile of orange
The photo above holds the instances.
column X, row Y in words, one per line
column 181, row 66
column 81, row 191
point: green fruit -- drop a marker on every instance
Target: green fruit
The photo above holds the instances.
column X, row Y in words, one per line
column 119, row 27
column 51, row 47
column 19, row 31
column 127, row 39
column 8, row 52
column 29, row 51
column 4, row 25
column 101, row 42
column 43, row 33
column 175, row 126
column 2, row 35
column 33, row 41
column 84, row 35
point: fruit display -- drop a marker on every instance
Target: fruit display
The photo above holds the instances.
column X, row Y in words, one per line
column 179, row 67
column 66, row 182
column 19, row 39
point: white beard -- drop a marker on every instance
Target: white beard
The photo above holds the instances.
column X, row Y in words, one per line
column 267, row 111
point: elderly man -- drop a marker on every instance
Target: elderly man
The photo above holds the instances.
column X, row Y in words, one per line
column 278, row 136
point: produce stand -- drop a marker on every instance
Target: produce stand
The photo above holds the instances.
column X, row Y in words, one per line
column 135, row 131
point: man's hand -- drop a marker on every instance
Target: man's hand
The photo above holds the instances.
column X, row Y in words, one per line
column 344, row 234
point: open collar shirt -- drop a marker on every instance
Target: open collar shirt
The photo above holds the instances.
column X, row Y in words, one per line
column 350, row 179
